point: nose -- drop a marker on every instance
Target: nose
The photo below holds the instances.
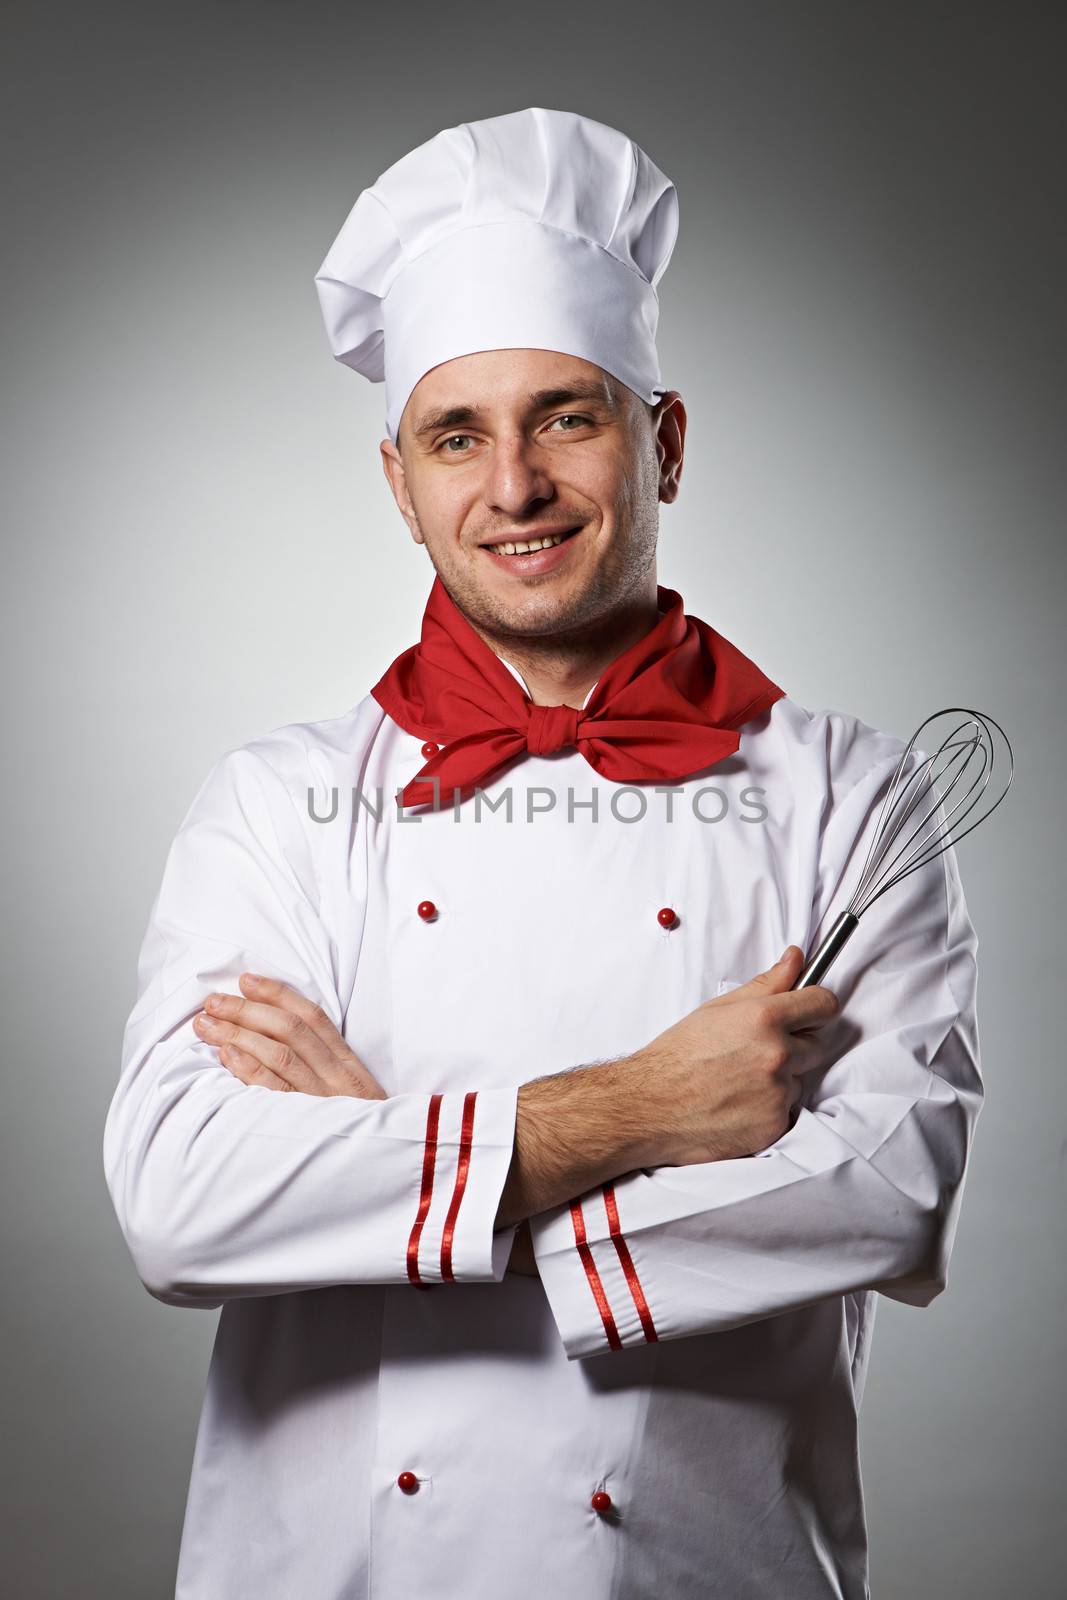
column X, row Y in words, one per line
column 518, row 476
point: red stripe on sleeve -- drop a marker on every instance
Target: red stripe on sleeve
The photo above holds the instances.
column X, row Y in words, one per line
column 463, row 1164
column 586, row 1256
column 429, row 1157
column 628, row 1267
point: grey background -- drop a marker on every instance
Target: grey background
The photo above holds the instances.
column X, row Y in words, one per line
column 865, row 315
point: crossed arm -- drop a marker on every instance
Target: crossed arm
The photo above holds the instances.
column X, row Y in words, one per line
column 273, row 1036
column 225, row 1190
column 723, row 1083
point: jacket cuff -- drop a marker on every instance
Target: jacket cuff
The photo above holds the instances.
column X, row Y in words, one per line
column 591, row 1277
column 466, row 1155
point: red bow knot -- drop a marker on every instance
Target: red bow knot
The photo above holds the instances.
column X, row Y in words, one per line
column 551, row 728
column 665, row 708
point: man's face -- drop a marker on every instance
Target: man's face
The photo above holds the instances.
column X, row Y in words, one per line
column 518, row 444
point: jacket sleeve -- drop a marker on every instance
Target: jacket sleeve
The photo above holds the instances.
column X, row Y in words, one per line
column 225, row 1190
column 863, row 1192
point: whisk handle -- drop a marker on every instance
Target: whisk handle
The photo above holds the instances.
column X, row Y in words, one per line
column 828, row 951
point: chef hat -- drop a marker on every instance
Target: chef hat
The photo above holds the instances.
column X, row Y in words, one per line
column 538, row 229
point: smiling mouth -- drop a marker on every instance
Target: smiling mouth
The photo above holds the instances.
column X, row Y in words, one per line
column 531, row 547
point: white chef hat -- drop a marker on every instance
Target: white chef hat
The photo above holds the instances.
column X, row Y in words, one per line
column 538, row 229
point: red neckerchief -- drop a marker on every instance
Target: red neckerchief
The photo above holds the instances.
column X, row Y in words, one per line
column 665, row 708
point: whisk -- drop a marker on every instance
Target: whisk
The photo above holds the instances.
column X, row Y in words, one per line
column 969, row 745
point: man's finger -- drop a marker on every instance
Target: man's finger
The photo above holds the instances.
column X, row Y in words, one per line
column 806, row 1054
column 781, row 976
column 360, row 1079
column 274, row 992
column 249, row 1070
column 803, row 1008
column 285, row 1042
column 273, row 1022
column 278, row 1058
column 790, row 1008
column 345, row 1074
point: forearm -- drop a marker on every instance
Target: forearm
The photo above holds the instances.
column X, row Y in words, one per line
column 573, row 1130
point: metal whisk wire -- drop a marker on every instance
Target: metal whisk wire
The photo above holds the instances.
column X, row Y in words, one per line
column 880, row 872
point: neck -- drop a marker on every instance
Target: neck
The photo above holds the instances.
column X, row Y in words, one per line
column 561, row 668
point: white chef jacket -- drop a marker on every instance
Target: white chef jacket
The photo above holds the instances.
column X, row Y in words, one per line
column 696, row 1345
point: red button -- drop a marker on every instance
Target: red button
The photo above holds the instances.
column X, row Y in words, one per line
column 666, row 917
column 427, row 910
column 408, row 1482
column 601, row 1501
column 430, row 749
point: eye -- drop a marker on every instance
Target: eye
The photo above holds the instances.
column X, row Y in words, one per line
column 570, row 416
column 451, row 438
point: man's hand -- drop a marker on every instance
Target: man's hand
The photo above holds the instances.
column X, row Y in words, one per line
column 275, row 1038
column 725, row 1081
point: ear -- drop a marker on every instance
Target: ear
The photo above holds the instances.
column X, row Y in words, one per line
column 670, row 443
column 393, row 467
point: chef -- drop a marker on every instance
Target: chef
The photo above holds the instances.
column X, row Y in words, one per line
column 466, row 1075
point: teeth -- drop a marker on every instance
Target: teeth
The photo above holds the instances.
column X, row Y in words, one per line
column 527, row 549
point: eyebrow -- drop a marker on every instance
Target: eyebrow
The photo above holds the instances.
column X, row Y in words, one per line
column 539, row 400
